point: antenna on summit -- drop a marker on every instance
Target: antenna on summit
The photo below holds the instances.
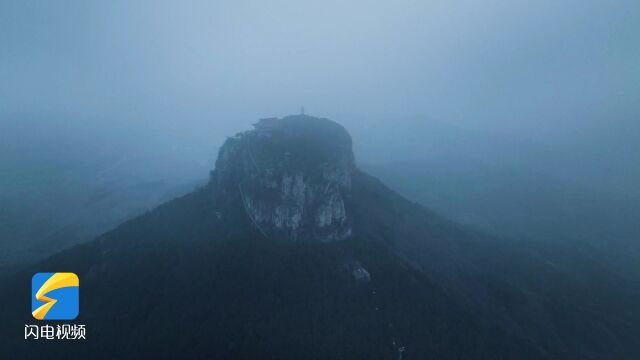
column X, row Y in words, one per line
column 302, row 110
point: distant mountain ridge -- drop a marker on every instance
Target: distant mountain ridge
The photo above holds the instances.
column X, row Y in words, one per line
column 65, row 182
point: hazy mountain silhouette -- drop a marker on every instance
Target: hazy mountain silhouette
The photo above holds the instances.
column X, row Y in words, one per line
column 64, row 183
column 290, row 251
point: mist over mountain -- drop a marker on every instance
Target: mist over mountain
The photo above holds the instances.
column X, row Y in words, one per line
column 64, row 183
column 291, row 251
column 482, row 205
column 477, row 178
column 543, row 89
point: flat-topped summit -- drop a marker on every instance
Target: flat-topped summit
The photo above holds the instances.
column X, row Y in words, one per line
column 293, row 176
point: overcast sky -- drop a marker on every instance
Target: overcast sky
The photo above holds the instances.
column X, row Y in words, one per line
column 209, row 68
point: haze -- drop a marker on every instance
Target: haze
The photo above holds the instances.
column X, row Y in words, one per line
column 504, row 93
column 531, row 69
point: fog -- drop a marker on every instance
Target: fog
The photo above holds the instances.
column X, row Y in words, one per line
column 544, row 90
column 494, row 212
column 535, row 69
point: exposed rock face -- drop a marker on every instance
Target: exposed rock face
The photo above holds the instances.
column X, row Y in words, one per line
column 358, row 271
column 294, row 177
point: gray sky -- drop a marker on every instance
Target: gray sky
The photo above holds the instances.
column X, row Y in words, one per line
column 205, row 69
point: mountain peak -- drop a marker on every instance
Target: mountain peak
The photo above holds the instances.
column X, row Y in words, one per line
column 403, row 282
column 293, row 176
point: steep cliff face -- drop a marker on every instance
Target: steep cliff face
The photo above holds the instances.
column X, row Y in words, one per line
column 294, row 176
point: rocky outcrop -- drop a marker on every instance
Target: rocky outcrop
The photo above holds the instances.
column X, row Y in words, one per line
column 293, row 176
